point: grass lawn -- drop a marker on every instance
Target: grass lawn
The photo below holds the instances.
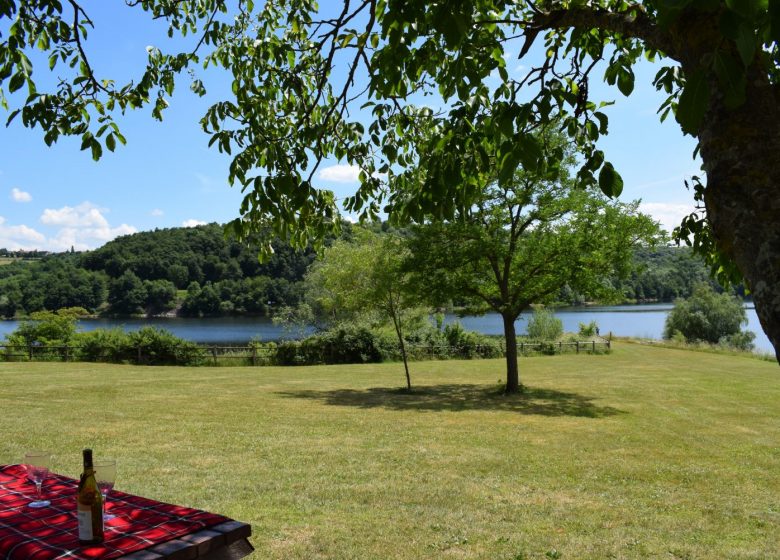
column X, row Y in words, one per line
column 644, row 453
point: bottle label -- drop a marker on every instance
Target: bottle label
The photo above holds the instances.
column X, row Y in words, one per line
column 85, row 525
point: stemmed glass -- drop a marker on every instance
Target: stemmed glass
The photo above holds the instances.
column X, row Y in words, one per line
column 105, row 475
column 37, row 465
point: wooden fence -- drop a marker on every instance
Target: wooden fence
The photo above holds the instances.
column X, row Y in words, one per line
column 262, row 355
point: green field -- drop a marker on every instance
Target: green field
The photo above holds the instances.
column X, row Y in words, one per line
column 644, row 453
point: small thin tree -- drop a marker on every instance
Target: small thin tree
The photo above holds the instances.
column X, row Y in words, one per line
column 354, row 279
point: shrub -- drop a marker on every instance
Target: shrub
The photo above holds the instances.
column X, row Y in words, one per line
column 341, row 345
column 469, row 344
column 739, row 341
column 45, row 328
column 706, row 316
column 544, row 326
column 589, row 330
column 160, row 347
column 105, row 345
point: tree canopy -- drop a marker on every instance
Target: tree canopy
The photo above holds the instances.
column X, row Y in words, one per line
column 524, row 240
column 709, row 317
column 350, row 83
column 366, row 276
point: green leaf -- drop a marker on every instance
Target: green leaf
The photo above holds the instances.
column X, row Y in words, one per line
column 16, row 83
column 110, row 142
column 693, row 103
column 509, row 165
column 731, row 76
column 529, row 152
column 12, row 116
column 625, row 81
column 610, row 181
column 603, row 121
column 746, row 44
column 97, row 150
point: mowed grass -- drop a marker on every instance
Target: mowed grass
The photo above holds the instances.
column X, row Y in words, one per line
column 644, row 453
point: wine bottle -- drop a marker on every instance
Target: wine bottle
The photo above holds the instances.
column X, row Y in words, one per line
column 89, row 504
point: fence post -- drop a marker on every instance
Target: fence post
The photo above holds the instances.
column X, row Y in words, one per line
column 139, row 355
column 522, row 347
column 594, row 346
column 66, row 352
column 560, row 347
column 254, row 355
column 214, row 354
column 578, row 346
column 29, row 351
column 609, row 344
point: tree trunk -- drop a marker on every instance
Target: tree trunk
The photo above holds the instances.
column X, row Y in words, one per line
column 740, row 150
column 512, row 372
column 401, row 343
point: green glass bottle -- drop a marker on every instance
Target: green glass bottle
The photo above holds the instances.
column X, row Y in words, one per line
column 89, row 503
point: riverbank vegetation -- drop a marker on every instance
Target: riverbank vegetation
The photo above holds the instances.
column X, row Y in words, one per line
column 49, row 336
column 645, row 453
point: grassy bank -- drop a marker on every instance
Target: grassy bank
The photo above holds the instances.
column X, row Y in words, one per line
column 644, row 453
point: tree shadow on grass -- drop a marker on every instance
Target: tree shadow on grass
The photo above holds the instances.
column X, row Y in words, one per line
column 456, row 398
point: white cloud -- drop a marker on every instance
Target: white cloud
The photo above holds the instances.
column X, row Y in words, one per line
column 156, row 213
column 192, row 223
column 669, row 214
column 84, row 215
column 86, row 238
column 18, row 195
column 22, row 237
column 340, row 173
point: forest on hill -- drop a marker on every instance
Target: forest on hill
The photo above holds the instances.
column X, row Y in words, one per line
column 199, row 272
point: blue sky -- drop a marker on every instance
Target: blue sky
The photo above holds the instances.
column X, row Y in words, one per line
column 166, row 176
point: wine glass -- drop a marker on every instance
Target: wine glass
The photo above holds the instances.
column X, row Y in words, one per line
column 105, row 475
column 37, row 465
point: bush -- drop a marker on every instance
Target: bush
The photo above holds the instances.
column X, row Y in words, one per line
column 544, row 326
column 740, row 341
column 148, row 345
column 160, row 347
column 589, row 330
column 105, row 345
column 469, row 344
column 45, row 328
column 341, row 345
column 706, row 316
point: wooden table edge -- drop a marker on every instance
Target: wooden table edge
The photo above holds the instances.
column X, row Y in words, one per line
column 196, row 545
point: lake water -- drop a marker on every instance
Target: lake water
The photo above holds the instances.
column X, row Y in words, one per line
column 645, row 321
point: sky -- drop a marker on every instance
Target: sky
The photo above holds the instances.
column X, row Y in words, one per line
column 55, row 198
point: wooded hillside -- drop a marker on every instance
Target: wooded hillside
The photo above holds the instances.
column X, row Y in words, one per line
column 198, row 272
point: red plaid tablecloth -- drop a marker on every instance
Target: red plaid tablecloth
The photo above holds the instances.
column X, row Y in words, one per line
column 52, row 532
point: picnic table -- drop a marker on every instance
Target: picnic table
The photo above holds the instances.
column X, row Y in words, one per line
column 142, row 529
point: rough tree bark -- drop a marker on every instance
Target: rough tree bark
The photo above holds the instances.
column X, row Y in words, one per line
column 512, row 372
column 739, row 149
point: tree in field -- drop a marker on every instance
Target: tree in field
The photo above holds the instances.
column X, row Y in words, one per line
column 521, row 242
column 708, row 317
column 300, row 78
column 353, row 279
